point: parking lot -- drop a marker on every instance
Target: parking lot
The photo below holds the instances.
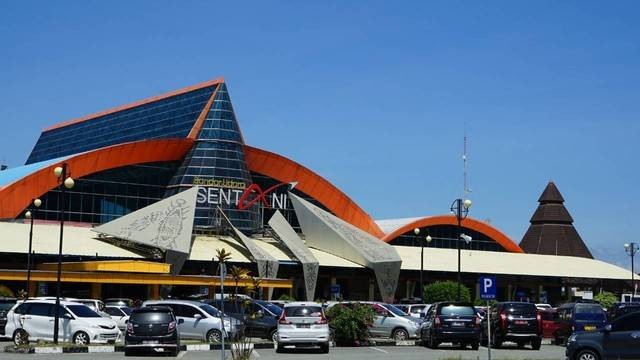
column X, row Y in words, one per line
column 368, row 353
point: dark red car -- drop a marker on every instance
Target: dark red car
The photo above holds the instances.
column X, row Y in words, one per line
column 549, row 323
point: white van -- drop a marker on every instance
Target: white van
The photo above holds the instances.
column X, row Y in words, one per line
column 32, row 320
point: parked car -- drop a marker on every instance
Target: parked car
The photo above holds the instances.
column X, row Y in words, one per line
column 454, row 322
column 619, row 309
column 390, row 322
column 119, row 314
column 549, row 323
column 519, row 322
column 578, row 317
column 95, row 305
column 5, row 305
column 33, row 320
column 544, row 307
column 618, row 340
column 119, row 301
column 199, row 320
column 303, row 324
column 152, row 328
column 413, row 310
column 260, row 318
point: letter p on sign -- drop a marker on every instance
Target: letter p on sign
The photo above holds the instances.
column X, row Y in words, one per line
column 488, row 287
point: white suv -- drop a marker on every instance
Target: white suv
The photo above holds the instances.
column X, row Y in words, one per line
column 33, row 320
column 303, row 324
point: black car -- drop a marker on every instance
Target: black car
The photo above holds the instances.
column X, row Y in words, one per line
column 260, row 318
column 454, row 322
column 152, row 328
column 518, row 322
column 618, row 340
column 619, row 309
column 5, row 305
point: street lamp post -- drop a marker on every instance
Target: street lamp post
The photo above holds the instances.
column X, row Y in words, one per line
column 67, row 183
column 428, row 240
column 461, row 209
column 36, row 204
column 631, row 249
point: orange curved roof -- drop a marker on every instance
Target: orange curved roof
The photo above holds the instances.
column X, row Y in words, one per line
column 15, row 197
column 469, row 223
column 312, row 184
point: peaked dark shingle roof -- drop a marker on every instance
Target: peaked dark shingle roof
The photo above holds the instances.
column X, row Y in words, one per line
column 551, row 231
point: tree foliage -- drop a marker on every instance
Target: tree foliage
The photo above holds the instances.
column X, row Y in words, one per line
column 350, row 325
column 606, row 299
column 5, row 291
column 445, row 291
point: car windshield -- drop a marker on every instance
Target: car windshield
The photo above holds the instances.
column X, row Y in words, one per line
column 521, row 309
column 452, row 310
column 588, row 312
column 303, row 311
column 145, row 317
column 83, row 311
column 275, row 310
column 6, row 305
column 210, row 310
column 394, row 310
column 127, row 310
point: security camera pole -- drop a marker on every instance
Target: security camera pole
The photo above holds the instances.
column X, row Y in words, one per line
column 460, row 208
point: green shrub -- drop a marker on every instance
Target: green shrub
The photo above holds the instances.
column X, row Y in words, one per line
column 481, row 302
column 445, row 291
column 6, row 292
column 350, row 325
column 286, row 297
column 606, row 299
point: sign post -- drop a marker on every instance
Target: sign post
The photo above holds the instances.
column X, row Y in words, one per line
column 223, row 274
column 488, row 292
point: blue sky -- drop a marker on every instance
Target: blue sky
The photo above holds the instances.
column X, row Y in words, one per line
column 374, row 96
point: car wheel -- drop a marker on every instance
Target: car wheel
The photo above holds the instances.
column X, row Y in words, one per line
column 279, row 348
column 475, row 346
column 174, row 352
column 324, row 348
column 433, row 343
column 80, row 338
column 20, row 337
column 520, row 345
column 400, row 335
column 214, row 336
column 587, row 354
column 128, row 352
column 273, row 335
column 536, row 343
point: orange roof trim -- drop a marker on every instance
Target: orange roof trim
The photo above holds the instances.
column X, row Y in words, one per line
column 312, row 184
column 136, row 103
column 15, row 197
column 469, row 223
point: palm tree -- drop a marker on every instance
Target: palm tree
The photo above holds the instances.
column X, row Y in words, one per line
column 238, row 273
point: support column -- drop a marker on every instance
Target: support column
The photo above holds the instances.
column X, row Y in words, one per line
column 477, row 287
column 509, row 292
column 33, row 289
column 154, row 291
column 96, row 290
column 372, row 289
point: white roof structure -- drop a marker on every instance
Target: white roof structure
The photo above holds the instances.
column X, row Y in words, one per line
column 388, row 225
column 82, row 241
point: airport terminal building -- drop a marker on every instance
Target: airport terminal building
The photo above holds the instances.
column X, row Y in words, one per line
column 177, row 164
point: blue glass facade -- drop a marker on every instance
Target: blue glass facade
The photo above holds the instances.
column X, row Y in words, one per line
column 172, row 117
column 216, row 163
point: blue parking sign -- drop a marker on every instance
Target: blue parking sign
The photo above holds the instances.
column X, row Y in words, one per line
column 488, row 287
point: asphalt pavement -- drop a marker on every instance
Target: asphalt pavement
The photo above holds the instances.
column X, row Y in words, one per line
column 547, row 352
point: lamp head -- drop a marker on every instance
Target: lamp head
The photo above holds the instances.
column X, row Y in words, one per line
column 428, row 238
column 27, row 215
column 416, row 231
column 466, row 203
column 68, row 183
column 37, row 203
column 57, row 171
column 626, row 246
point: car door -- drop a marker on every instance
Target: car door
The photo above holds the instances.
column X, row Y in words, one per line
column 382, row 323
column 117, row 315
column 623, row 341
column 38, row 322
column 427, row 326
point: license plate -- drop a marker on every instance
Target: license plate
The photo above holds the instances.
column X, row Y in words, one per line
column 521, row 322
column 304, row 326
column 150, row 341
column 589, row 328
column 457, row 324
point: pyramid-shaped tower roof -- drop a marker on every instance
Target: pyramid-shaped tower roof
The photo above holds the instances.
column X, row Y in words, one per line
column 551, row 231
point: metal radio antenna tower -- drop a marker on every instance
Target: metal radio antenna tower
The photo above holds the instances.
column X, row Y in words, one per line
column 466, row 189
